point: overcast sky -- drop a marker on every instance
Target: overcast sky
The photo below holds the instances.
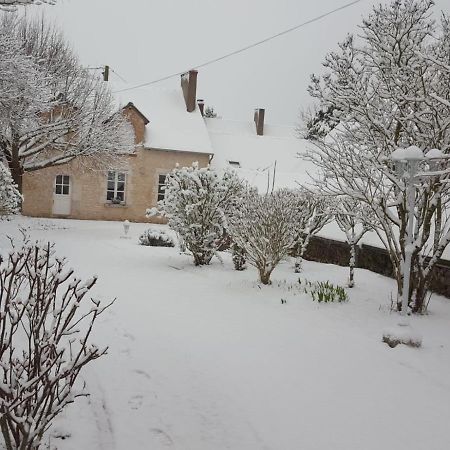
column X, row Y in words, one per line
column 146, row 39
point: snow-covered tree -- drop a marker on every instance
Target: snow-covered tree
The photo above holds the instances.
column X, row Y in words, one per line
column 46, row 322
column 209, row 112
column 51, row 109
column 318, row 123
column 9, row 195
column 391, row 88
column 264, row 227
column 312, row 215
column 354, row 219
column 194, row 203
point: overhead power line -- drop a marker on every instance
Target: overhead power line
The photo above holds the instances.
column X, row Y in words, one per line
column 244, row 49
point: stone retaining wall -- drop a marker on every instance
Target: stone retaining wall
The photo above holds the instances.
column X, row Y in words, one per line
column 372, row 258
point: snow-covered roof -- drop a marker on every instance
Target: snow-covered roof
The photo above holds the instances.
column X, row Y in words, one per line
column 171, row 127
column 254, row 157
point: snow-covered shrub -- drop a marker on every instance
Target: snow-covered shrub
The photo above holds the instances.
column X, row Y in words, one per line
column 264, row 227
column 390, row 89
column 46, row 321
column 324, row 291
column 156, row 238
column 238, row 257
column 9, row 195
column 194, row 203
column 402, row 335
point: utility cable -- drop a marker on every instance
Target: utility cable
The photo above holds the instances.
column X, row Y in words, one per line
column 243, row 49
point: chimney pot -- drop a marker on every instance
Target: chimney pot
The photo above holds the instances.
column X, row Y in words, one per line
column 189, row 87
column 106, row 73
column 201, row 106
column 259, row 120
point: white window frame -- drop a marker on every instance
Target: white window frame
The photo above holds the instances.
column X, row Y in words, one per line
column 159, row 185
column 115, row 191
column 65, row 182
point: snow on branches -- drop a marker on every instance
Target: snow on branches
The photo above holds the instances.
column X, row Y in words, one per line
column 354, row 219
column 11, row 5
column 46, row 323
column 51, row 108
column 194, row 203
column 389, row 88
column 313, row 213
column 264, row 227
column 9, row 195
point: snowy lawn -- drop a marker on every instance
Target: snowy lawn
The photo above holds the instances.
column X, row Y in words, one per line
column 206, row 359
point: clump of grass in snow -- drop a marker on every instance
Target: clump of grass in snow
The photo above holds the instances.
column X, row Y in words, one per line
column 324, row 291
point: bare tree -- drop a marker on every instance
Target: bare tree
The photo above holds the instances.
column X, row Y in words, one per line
column 45, row 329
column 264, row 227
column 71, row 112
column 391, row 88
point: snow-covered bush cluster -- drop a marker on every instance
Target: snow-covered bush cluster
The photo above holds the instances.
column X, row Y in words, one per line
column 52, row 108
column 156, row 238
column 389, row 87
column 46, row 322
column 265, row 228
column 9, row 195
column 194, row 203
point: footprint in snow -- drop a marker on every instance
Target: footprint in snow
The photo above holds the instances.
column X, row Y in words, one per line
column 143, row 373
column 135, row 402
column 162, row 436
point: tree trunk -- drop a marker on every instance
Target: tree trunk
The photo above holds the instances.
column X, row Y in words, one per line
column 298, row 264
column 351, row 280
column 264, row 276
column 238, row 257
column 16, row 173
column 14, row 162
column 202, row 258
column 5, row 433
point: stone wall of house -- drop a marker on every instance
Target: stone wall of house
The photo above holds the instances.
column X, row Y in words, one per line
column 89, row 185
column 372, row 258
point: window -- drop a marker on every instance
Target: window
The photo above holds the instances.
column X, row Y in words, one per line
column 115, row 192
column 161, row 186
column 62, row 185
column 236, row 164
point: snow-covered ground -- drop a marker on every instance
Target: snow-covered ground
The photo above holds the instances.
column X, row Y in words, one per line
column 207, row 359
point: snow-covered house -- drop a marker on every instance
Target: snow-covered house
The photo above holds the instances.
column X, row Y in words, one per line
column 168, row 128
column 266, row 155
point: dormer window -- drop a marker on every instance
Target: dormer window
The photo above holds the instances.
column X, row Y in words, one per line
column 235, row 164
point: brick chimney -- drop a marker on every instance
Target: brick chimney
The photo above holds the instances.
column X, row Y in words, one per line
column 259, row 121
column 201, row 106
column 189, row 86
